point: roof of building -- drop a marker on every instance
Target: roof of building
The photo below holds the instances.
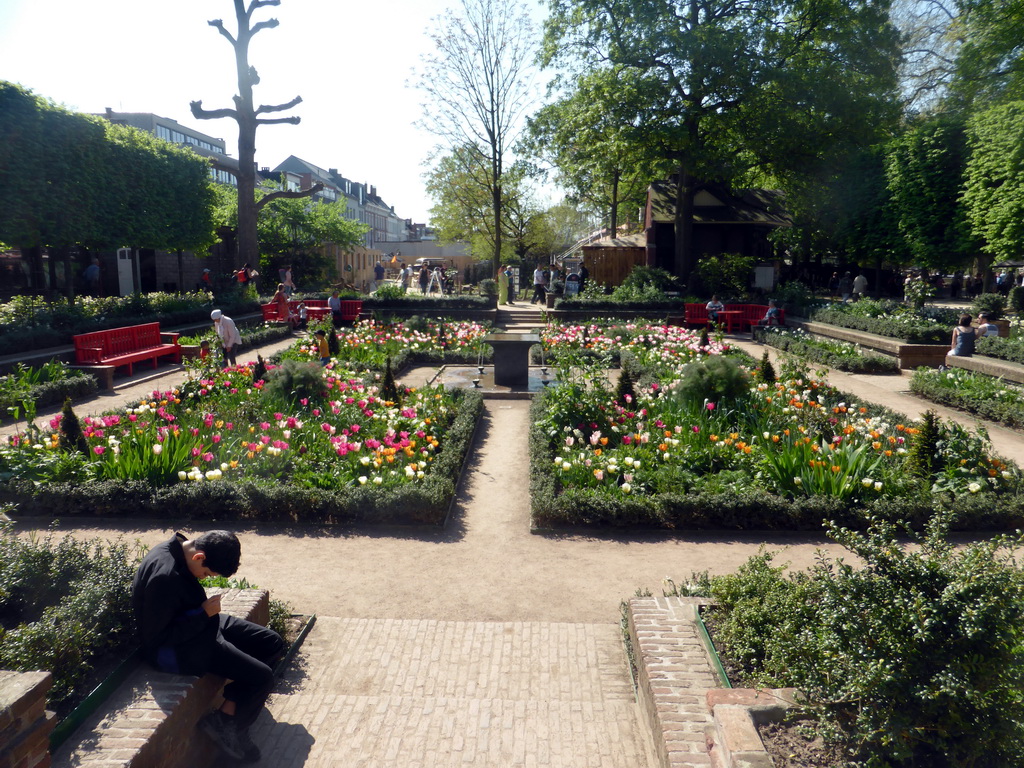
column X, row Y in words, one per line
column 715, row 204
column 638, row 240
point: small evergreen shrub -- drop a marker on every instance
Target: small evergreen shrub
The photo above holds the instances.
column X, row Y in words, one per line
column 993, row 304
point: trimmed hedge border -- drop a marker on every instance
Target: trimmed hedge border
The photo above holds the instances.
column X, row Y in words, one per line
column 424, row 504
column 868, row 362
column 753, row 509
column 912, row 334
column 78, row 385
column 1001, row 413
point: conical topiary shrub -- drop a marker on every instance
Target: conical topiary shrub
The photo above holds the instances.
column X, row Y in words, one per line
column 71, row 437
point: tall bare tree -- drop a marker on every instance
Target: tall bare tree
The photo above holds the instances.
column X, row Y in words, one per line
column 247, row 115
column 479, row 85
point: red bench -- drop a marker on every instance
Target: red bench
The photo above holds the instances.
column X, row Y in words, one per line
column 316, row 309
column 749, row 314
column 123, row 347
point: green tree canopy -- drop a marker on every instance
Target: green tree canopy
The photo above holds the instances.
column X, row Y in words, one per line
column 994, row 193
column 925, row 170
column 722, row 84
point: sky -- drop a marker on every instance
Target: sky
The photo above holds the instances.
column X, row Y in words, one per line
column 351, row 62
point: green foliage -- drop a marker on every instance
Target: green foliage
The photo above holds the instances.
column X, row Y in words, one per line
column 70, row 435
column 911, row 657
column 390, row 291
column 643, row 278
column 976, row 393
column 923, row 457
column 992, row 303
column 332, row 342
column 725, row 274
column 388, row 388
column 841, row 355
column 50, row 383
column 625, row 394
column 1016, row 299
column 898, row 324
column 293, row 381
column 1009, row 348
column 62, row 604
column 718, row 381
column 994, row 192
column 766, row 371
column 925, row 167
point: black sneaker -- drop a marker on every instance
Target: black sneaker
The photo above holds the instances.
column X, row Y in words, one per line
column 221, row 731
column 250, row 752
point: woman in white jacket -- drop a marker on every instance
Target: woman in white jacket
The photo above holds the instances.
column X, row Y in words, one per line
column 228, row 333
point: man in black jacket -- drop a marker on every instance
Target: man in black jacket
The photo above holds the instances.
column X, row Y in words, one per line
column 182, row 631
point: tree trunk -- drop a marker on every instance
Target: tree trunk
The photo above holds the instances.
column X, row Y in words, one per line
column 496, row 202
column 684, row 261
column 614, row 219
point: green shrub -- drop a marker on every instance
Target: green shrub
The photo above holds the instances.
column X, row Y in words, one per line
column 1016, row 299
column 912, row 328
column 716, row 380
column 976, row 393
column 293, row 381
column 915, row 656
column 1002, row 348
column 726, row 274
column 62, row 604
column 994, row 304
column 389, row 291
column 841, row 355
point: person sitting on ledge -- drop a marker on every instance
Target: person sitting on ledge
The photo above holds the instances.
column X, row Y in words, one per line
column 962, row 342
column 182, row 631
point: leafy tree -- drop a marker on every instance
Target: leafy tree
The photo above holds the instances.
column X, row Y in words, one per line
column 994, row 190
column 478, row 83
column 247, row 115
column 722, row 85
column 593, row 144
column 990, row 59
column 925, row 168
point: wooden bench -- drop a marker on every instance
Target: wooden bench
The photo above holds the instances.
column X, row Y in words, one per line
column 750, row 314
column 123, row 347
column 150, row 719
column 909, row 355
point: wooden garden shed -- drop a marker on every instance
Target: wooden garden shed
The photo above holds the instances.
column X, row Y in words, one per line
column 608, row 261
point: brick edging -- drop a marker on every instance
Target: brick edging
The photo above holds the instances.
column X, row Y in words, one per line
column 149, row 721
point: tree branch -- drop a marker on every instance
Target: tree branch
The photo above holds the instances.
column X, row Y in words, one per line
column 263, row 108
column 268, row 24
column 276, row 120
column 287, row 193
column 220, row 28
column 210, row 114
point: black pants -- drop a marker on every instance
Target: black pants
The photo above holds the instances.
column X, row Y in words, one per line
column 229, row 356
column 539, row 294
column 244, row 654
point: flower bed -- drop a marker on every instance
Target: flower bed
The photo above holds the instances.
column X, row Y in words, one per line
column 649, row 343
column 890, row 318
column 841, row 355
column 976, row 393
column 702, row 446
column 295, row 442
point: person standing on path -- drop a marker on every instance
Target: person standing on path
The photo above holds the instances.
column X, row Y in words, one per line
column 424, row 279
column 230, row 338
column 289, row 286
column 378, row 276
column 539, row 286
column 182, row 631
column 860, row 285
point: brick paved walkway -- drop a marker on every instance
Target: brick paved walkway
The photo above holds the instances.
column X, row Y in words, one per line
column 391, row 692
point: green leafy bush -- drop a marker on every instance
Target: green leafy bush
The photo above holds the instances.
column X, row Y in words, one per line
column 1004, row 348
column 888, row 319
column 915, row 656
column 715, row 380
column 63, row 604
column 389, row 291
column 993, row 304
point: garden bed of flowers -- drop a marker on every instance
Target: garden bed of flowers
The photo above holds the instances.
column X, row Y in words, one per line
column 928, row 325
column 710, row 440
column 990, row 398
column 648, row 343
column 26, row 389
column 418, row 340
column 841, row 355
column 294, row 442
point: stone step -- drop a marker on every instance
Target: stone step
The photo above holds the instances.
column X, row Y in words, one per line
column 444, row 693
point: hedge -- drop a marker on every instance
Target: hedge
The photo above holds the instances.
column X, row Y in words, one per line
column 911, row 332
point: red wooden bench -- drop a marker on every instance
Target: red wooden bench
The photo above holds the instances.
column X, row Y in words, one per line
column 750, row 314
column 123, row 347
